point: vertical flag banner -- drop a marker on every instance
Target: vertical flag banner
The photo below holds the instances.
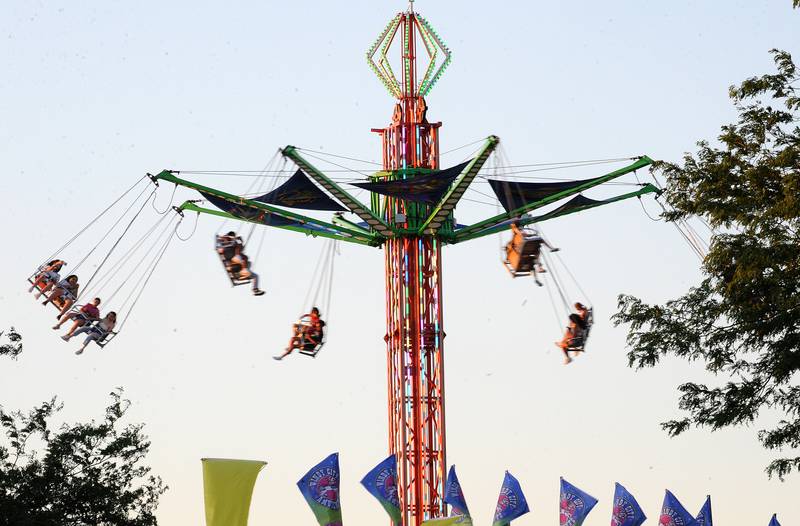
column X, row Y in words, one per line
column 381, row 483
column 320, row 487
column 674, row 514
column 228, row 489
column 774, row 521
column 511, row 503
column 704, row 517
column 626, row 511
column 574, row 505
column 453, row 494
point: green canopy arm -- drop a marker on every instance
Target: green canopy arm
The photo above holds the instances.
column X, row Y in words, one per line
column 189, row 206
column 353, row 204
column 527, row 220
column 169, row 176
column 448, row 202
column 641, row 162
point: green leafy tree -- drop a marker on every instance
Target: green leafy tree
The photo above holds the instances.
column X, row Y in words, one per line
column 13, row 346
column 743, row 320
column 86, row 474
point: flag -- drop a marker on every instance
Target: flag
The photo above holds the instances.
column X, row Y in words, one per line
column 626, row 511
column 320, row 487
column 511, row 503
column 774, row 521
column 228, row 489
column 453, row 494
column 448, row 521
column 381, row 483
column 574, row 505
column 704, row 517
column 674, row 514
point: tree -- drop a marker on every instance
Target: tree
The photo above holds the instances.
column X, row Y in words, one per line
column 14, row 346
column 741, row 321
column 86, row 473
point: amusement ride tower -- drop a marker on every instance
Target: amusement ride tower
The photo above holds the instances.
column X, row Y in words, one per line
column 410, row 215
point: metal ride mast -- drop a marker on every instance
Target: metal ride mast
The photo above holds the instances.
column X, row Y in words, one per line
column 412, row 234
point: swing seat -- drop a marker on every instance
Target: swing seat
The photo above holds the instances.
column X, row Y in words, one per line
column 312, row 348
column 521, row 260
column 58, row 302
column 236, row 280
column 578, row 343
column 105, row 339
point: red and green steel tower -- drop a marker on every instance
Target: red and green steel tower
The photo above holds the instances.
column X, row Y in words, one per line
column 411, row 233
column 414, row 321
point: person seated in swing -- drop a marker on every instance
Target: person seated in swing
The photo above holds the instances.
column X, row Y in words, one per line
column 574, row 330
column 64, row 294
column 582, row 311
column 227, row 245
column 306, row 333
column 96, row 332
column 240, row 269
column 526, row 244
column 89, row 313
column 47, row 276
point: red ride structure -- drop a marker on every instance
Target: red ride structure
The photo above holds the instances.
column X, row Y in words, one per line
column 414, row 322
column 411, row 216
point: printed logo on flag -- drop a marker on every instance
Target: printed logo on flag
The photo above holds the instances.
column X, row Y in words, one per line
column 623, row 511
column 506, row 503
column 672, row 517
column 386, row 481
column 571, row 507
column 323, row 485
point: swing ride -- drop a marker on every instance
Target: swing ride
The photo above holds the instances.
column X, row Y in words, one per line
column 410, row 216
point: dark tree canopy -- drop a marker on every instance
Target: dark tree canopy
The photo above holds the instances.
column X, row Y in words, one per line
column 743, row 320
column 79, row 474
column 12, row 346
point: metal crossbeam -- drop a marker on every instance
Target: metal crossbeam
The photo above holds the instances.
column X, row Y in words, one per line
column 641, row 162
column 353, row 204
column 527, row 220
column 191, row 207
column 169, row 176
column 434, row 222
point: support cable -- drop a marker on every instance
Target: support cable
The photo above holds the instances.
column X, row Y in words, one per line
column 93, row 221
column 116, row 243
column 149, row 275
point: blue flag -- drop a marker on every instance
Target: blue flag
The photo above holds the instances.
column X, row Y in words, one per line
column 320, row 487
column 574, row 505
column 381, row 483
column 453, row 494
column 511, row 503
column 626, row 511
column 674, row 514
column 704, row 517
column 774, row 521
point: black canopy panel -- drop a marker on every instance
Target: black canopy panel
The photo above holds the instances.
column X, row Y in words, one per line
column 428, row 188
column 300, row 192
column 513, row 195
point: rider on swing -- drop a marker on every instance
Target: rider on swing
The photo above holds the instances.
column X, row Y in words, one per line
column 307, row 331
column 578, row 323
column 531, row 239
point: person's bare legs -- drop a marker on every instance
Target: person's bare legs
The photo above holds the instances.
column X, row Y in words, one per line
column 57, row 293
column 68, row 303
column 563, row 344
column 64, row 319
column 45, row 289
column 294, row 342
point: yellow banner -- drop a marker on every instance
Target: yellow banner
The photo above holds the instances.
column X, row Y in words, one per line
column 228, row 489
column 461, row 520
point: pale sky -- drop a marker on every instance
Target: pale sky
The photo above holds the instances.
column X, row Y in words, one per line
column 95, row 94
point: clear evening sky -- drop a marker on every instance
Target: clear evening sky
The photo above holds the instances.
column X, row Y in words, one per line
column 95, row 94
